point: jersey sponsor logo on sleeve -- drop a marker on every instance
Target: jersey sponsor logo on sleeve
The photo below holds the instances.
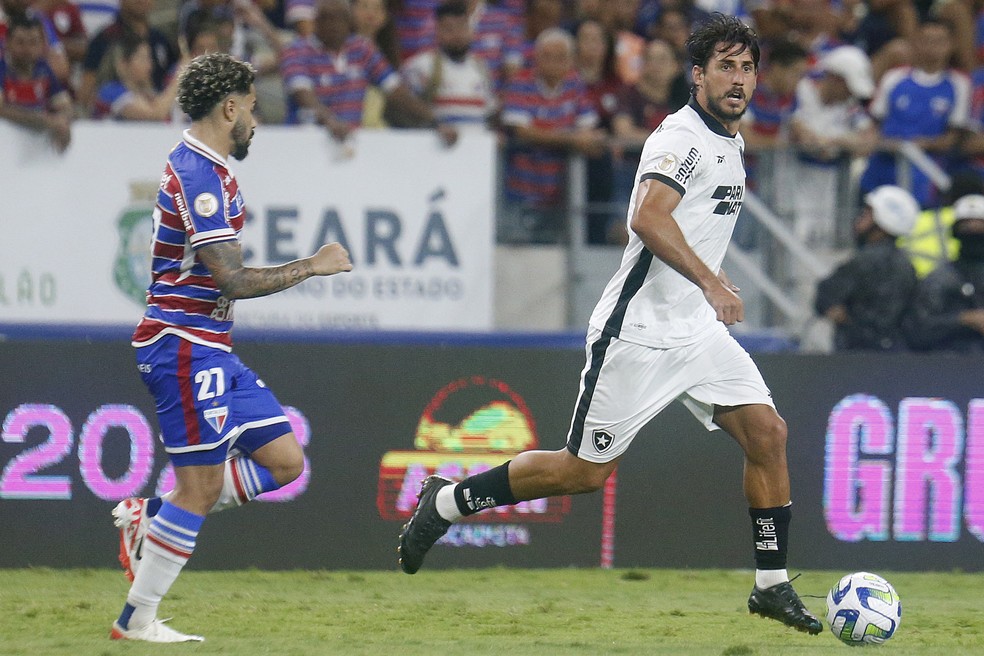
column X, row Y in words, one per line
column 182, row 207
column 206, row 204
column 686, row 169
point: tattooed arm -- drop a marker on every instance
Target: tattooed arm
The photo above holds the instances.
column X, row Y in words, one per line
column 225, row 262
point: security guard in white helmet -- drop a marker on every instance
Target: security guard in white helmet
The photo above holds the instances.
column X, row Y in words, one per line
column 867, row 297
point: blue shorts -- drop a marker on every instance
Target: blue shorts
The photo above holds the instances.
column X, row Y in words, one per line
column 208, row 402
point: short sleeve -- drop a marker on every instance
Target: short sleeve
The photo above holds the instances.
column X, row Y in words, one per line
column 198, row 200
column 879, row 104
column 378, row 70
column 672, row 155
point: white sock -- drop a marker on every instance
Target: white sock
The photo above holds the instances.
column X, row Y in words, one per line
column 766, row 578
column 151, row 583
column 447, row 507
column 168, row 545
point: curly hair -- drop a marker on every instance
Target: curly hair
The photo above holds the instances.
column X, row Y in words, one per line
column 721, row 33
column 209, row 79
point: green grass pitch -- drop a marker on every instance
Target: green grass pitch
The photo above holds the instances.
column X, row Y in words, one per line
column 47, row 612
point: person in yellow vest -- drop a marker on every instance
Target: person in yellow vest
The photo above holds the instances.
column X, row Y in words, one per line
column 947, row 313
column 931, row 243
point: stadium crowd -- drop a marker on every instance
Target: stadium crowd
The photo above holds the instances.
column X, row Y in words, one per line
column 843, row 85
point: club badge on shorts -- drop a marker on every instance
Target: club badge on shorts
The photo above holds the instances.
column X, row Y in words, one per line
column 603, row 440
column 216, row 418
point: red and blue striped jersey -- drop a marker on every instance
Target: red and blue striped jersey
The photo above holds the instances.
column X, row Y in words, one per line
column 497, row 39
column 415, row 26
column 515, row 8
column 768, row 111
column 535, row 174
column 198, row 204
column 339, row 80
column 35, row 92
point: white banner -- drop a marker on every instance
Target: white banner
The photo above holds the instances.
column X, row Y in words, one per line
column 415, row 216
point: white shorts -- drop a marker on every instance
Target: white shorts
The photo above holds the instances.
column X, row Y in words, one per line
column 625, row 385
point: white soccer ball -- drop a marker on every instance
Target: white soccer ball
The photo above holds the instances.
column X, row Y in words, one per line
column 863, row 609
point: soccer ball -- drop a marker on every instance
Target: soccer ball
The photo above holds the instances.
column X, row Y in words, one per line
column 863, row 609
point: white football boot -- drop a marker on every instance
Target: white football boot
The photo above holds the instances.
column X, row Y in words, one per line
column 156, row 631
column 130, row 517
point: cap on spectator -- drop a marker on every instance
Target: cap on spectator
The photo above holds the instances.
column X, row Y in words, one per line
column 854, row 66
column 970, row 206
column 894, row 209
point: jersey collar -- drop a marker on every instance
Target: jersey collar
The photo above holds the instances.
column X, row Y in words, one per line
column 712, row 123
column 201, row 148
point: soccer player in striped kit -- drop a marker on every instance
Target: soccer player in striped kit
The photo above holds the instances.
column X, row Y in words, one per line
column 658, row 334
column 223, row 430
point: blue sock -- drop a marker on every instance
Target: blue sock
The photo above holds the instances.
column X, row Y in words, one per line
column 176, row 530
column 124, row 620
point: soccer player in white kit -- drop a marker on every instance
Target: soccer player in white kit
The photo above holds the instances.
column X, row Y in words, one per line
column 658, row 334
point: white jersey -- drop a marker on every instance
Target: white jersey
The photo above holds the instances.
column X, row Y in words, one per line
column 463, row 95
column 647, row 302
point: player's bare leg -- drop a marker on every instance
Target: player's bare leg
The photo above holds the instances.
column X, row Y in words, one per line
column 530, row 475
column 540, row 474
column 761, row 433
column 283, row 458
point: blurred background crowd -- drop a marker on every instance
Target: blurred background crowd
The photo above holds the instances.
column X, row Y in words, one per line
column 853, row 95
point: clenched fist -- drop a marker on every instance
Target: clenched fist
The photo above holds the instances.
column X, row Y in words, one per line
column 331, row 259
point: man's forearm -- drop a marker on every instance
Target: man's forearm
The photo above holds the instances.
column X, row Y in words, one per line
column 250, row 282
column 27, row 118
column 224, row 261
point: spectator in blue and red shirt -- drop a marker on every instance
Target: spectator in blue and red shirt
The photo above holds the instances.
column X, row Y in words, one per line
column 326, row 76
column 30, row 93
column 498, row 39
column 548, row 113
column 415, row 26
column 927, row 104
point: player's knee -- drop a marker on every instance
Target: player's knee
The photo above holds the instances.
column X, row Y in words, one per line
column 768, row 440
column 199, row 496
column 587, row 477
column 290, row 469
column 593, row 480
